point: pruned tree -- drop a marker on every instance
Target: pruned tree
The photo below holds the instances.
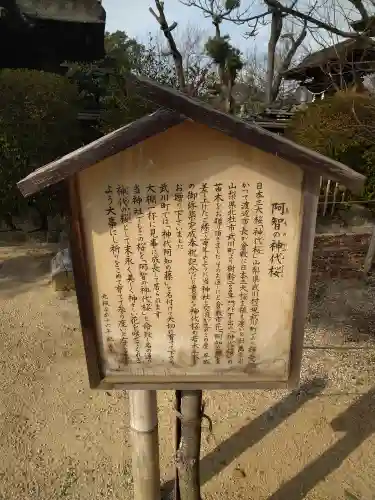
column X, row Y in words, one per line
column 167, row 30
column 229, row 62
column 230, row 10
column 220, row 51
column 197, row 66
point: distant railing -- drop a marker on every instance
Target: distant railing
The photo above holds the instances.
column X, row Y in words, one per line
column 332, row 196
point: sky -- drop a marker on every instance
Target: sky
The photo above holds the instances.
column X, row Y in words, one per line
column 133, row 17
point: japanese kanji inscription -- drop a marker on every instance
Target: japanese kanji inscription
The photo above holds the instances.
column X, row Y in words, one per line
column 197, row 268
column 191, row 236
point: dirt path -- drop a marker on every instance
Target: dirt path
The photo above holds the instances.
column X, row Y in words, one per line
column 59, row 439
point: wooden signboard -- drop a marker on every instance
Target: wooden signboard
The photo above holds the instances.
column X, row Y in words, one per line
column 191, row 248
column 193, row 262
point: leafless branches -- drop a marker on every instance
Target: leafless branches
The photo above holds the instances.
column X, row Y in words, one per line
column 291, row 24
column 286, row 61
column 167, row 30
column 231, row 11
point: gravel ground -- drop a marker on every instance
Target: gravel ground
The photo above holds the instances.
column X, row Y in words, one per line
column 59, row 439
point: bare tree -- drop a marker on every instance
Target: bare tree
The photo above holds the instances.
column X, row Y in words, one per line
column 230, row 10
column 185, row 47
column 225, row 56
column 351, row 19
column 254, row 75
column 196, row 73
column 342, row 62
column 198, row 66
column 167, row 30
column 274, row 74
column 290, row 22
column 359, row 10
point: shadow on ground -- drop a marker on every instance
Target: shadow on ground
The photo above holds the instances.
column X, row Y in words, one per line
column 358, row 423
column 20, row 272
column 228, row 451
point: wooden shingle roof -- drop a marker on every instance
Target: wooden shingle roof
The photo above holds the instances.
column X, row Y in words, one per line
column 346, row 52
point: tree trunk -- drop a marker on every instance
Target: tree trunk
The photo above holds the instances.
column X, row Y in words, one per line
column 276, row 27
column 296, row 43
column 167, row 31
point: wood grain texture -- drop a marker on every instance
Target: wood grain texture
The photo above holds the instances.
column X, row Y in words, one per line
column 247, row 132
column 215, row 159
column 83, row 286
column 166, row 385
column 96, row 151
column 309, row 208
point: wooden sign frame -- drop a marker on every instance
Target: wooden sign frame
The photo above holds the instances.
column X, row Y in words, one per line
column 181, row 108
column 87, row 314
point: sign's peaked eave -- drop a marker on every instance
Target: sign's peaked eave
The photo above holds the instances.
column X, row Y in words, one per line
column 177, row 108
column 185, row 225
column 248, row 133
column 98, row 150
column 180, row 255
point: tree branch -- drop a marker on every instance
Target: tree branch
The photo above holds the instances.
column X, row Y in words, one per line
column 211, row 8
column 276, row 28
column 200, row 81
column 358, row 4
column 308, row 18
column 167, row 30
column 296, row 43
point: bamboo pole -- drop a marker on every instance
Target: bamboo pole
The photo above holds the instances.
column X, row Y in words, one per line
column 145, row 444
column 189, row 407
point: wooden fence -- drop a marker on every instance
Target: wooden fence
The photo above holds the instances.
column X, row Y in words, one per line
column 333, row 196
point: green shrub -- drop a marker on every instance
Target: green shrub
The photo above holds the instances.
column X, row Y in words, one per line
column 341, row 127
column 38, row 123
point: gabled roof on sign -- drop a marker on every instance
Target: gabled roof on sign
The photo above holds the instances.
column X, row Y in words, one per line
column 177, row 108
column 96, row 151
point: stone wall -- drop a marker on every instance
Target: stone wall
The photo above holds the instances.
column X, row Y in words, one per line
column 28, row 229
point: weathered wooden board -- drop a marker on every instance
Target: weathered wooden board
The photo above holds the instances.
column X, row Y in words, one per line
column 192, row 250
column 191, row 237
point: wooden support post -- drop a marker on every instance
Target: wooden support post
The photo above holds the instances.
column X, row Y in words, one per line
column 189, row 406
column 145, row 444
column 370, row 254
